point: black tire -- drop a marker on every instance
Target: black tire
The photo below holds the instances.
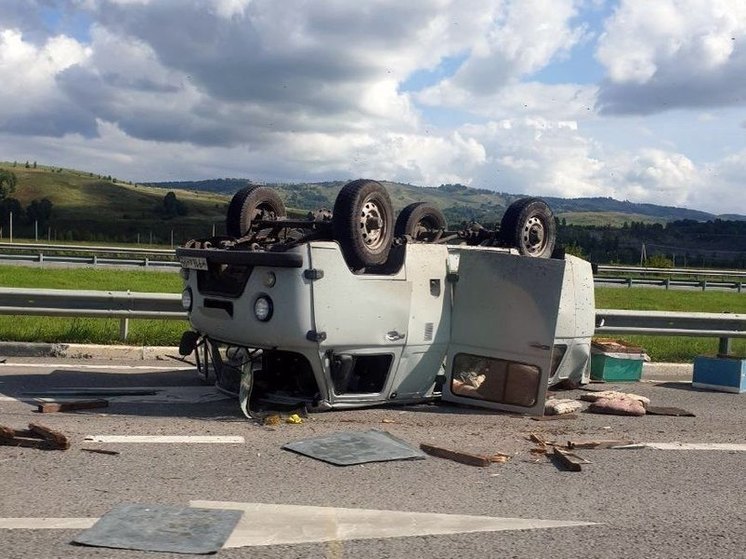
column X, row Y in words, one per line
column 528, row 225
column 250, row 204
column 363, row 223
column 420, row 221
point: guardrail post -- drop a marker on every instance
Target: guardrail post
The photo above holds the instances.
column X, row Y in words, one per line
column 629, row 282
column 738, row 287
column 41, row 258
column 668, row 283
column 95, row 259
column 724, row 347
column 704, row 285
column 124, row 326
column 145, row 262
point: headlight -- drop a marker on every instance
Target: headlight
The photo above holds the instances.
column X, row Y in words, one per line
column 186, row 299
column 263, row 308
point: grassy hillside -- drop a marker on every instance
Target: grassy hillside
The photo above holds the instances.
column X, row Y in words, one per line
column 87, row 207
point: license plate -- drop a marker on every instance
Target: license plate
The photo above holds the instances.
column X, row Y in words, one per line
column 193, row 262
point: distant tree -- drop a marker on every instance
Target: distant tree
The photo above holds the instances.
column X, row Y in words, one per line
column 8, row 206
column 8, row 182
column 27, row 165
column 39, row 211
column 34, row 164
column 171, row 206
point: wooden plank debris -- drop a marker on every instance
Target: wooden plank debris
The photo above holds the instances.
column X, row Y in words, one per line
column 598, row 444
column 663, row 410
column 53, row 407
column 36, row 436
column 554, row 417
column 456, row 456
column 538, row 439
column 569, row 460
column 51, row 435
column 101, row 451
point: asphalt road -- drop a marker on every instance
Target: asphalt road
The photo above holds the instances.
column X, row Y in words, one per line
column 641, row 503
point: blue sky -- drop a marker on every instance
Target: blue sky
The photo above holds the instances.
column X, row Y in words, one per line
column 633, row 99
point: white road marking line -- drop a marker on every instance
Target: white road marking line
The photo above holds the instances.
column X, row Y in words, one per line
column 46, row 523
column 90, row 366
column 165, row 395
column 264, row 524
column 190, row 439
column 687, row 446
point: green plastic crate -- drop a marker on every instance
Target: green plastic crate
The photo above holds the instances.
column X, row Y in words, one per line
column 613, row 369
column 616, row 361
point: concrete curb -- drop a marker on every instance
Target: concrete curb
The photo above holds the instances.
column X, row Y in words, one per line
column 86, row 351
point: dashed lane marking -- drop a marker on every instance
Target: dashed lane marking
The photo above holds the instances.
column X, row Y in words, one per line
column 91, row 366
column 163, row 395
column 46, row 523
column 177, row 439
column 687, row 446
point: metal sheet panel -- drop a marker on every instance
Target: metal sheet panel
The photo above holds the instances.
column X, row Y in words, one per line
column 348, row 449
column 162, row 528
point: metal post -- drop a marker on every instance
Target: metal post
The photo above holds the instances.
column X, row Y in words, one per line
column 124, row 326
column 629, row 282
column 704, row 285
column 724, row 347
column 668, row 283
column 11, row 227
column 36, row 230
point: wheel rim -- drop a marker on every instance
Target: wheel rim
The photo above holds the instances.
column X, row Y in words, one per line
column 264, row 212
column 534, row 235
column 372, row 224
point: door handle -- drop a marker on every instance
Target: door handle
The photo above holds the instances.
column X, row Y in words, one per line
column 393, row 336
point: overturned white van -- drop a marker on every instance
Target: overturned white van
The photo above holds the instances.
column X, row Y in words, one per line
column 393, row 312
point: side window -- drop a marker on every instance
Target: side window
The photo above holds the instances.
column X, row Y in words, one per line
column 360, row 374
column 495, row 380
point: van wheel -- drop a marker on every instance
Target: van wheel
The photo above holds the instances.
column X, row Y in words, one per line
column 528, row 225
column 250, row 204
column 421, row 221
column 363, row 223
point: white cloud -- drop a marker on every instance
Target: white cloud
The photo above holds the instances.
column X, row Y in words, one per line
column 425, row 91
column 673, row 53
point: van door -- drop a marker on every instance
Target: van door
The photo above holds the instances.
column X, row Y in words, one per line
column 502, row 329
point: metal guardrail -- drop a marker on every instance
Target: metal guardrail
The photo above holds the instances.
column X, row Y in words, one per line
column 94, row 260
column 86, row 248
column 662, row 323
column 125, row 305
column 668, row 283
column 614, row 269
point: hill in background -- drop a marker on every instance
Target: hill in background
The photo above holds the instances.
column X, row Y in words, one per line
column 90, row 207
column 461, row 203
